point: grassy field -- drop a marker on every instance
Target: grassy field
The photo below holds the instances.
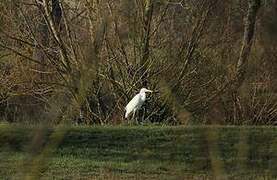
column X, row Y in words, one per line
column 138, row 152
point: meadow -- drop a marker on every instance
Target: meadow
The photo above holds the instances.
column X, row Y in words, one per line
column 138, row 152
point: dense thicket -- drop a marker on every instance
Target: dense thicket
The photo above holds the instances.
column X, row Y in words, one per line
column 212, row 62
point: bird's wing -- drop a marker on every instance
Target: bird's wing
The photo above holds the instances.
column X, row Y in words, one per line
column 133, row 103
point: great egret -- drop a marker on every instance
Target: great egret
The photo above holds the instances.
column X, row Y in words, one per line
column 136, row 102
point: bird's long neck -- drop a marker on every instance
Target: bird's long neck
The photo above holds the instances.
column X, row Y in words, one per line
column 143, row 96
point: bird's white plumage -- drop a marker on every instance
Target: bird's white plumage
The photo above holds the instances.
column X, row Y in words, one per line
column 136, row 102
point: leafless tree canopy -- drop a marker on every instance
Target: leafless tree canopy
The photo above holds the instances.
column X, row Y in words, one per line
column 211, row 61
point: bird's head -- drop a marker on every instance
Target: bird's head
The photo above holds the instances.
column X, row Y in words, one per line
column 144, row 90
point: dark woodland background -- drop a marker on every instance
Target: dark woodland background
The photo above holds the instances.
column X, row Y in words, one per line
column 210, row 61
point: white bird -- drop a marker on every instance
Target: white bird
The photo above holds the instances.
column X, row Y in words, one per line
column 136, row 102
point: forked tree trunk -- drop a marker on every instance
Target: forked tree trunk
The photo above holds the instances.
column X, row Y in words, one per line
column 144, row 62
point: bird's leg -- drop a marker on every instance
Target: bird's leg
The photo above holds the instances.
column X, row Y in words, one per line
column 143, row 116
column 137, row 117
column 133, row 115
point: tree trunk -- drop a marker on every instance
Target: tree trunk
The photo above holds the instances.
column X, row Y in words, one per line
column 56, row 13
column 42, row 39
column 145, row 49
column 249, row 28
column 41, row 42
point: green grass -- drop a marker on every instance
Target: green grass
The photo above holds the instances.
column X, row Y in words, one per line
column 139, row 152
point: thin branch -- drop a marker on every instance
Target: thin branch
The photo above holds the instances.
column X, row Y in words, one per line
column 20, row 54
